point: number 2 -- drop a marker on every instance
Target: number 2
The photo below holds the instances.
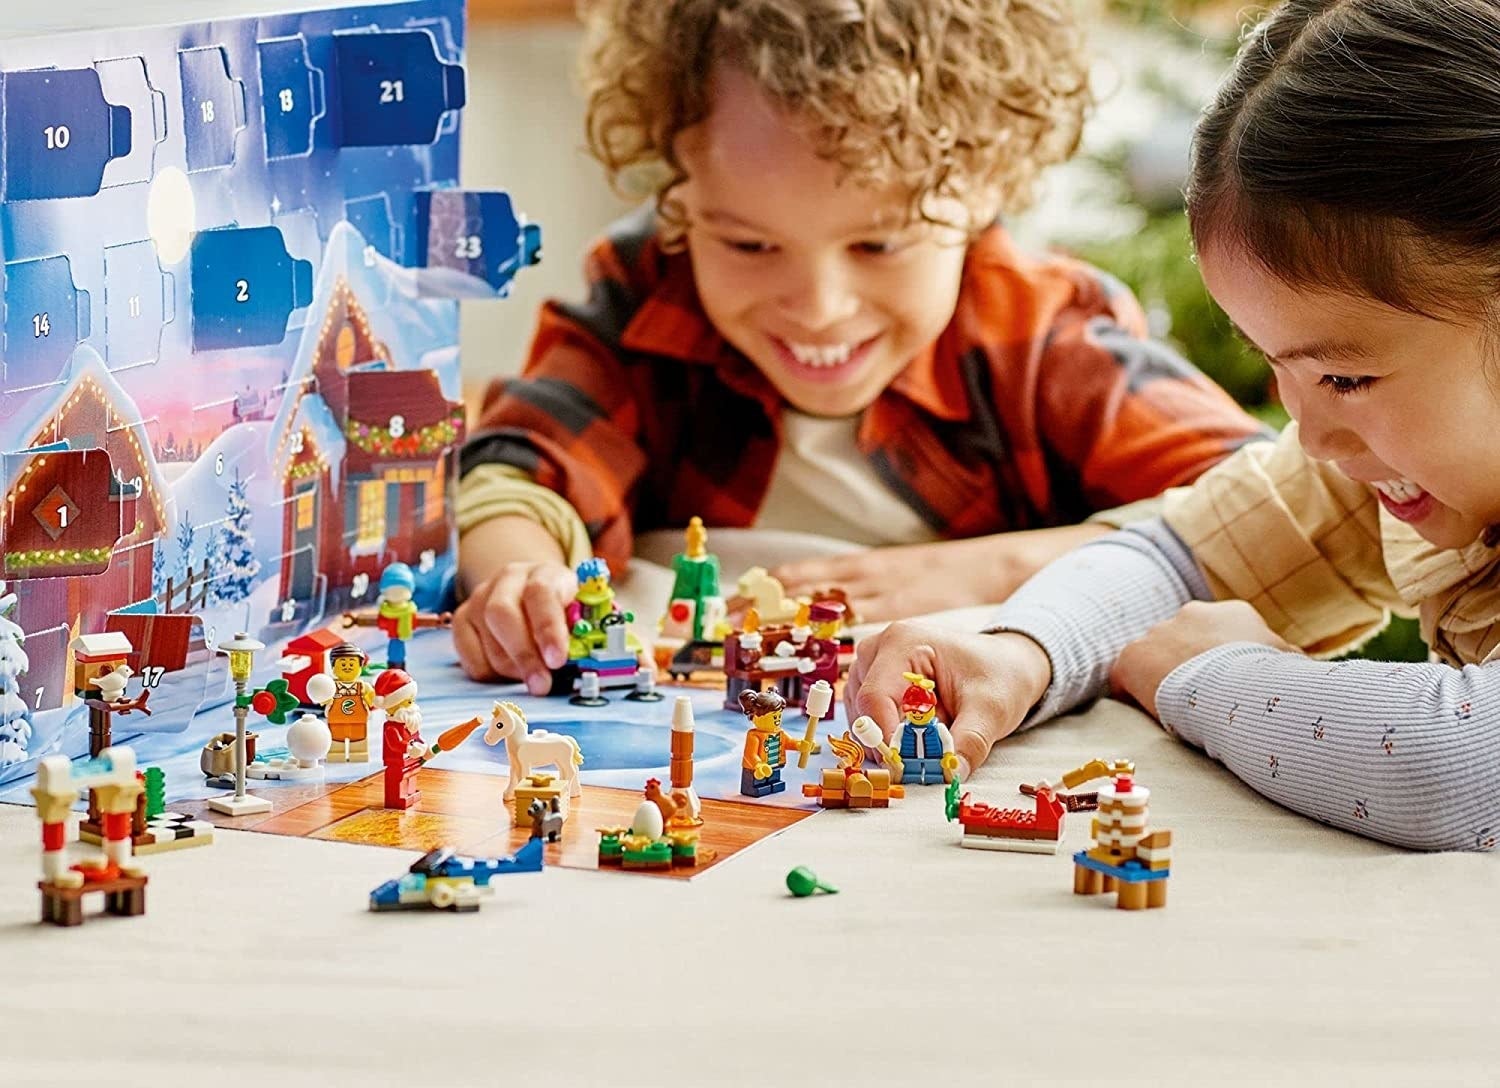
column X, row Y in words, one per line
column 242, row 290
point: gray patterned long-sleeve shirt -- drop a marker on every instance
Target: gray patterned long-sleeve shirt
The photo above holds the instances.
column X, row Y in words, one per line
column 1405, row 753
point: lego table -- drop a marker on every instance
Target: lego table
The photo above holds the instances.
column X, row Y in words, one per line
column 1288, row 952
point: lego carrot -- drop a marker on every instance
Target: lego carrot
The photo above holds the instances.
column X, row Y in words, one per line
column 450, row 739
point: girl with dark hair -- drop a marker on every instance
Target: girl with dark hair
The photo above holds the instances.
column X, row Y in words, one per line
column 1345, row 206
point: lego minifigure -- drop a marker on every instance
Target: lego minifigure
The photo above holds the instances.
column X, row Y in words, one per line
column 766, row 744
column 397, row 614
column 926, row 745
column 822, row 648
column 396, row 693
column 346, row 698
column 594, row 609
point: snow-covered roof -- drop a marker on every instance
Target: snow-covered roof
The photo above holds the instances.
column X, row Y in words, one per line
column 103, row 644
column 25, row 413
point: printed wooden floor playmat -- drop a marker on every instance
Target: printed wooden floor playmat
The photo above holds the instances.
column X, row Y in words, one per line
column 624, row 744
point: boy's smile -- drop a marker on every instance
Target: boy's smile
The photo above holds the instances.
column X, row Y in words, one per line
column 820, row 283
column 1400, row 401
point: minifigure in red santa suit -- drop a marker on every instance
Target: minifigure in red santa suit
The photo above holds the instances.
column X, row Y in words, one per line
column 396, row 693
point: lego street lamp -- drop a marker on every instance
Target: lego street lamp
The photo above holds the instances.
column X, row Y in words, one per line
column 241, row 650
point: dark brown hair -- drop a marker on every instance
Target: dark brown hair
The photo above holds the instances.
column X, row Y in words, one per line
column 756, row 703
column 1355, row 145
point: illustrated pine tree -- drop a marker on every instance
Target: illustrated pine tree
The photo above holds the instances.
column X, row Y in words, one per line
column 240, row 567
column 15, row 715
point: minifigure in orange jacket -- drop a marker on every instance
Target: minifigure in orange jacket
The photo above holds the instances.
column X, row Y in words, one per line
column 766, row 744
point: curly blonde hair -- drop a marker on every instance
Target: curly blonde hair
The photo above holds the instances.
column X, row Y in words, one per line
column 965, row 99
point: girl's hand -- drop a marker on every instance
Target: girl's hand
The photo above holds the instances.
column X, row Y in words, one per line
column 985, row 684
column 1198, row 627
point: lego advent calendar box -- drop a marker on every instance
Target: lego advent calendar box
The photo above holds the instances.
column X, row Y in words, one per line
column 231, row 254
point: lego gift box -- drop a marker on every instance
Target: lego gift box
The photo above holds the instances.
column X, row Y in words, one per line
column 231, row 258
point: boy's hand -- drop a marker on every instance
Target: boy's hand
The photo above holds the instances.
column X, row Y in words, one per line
column 1199, row 626
column 985, row 684
column 514, row 625
column 913, row 579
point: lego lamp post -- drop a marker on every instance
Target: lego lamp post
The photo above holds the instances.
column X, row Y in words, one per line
column 241, row 650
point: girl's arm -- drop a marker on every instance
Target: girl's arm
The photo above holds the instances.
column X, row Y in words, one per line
column 1405, row 753
column 1085, row 607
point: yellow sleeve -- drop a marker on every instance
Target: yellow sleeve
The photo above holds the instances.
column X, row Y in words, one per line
column 491, row 491
column 1293, row 536
column 1121, row 516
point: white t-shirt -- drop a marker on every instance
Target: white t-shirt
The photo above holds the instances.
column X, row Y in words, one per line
column 823, row 484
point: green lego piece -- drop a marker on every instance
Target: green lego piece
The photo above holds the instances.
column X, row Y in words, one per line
column 658, row 853
column 280, row 703
column 950, row 799
column 802, row 881
column 156, row 792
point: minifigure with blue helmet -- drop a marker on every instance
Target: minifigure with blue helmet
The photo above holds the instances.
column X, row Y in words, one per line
column 397, row 614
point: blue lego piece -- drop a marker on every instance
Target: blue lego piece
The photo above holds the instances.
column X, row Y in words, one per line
column 1132, row 872
column 750, row 786
column 602, row 663
column 60, row 133
column 245, row 287
column 291, row 96
column 922, row 772
column 213, row 107
column 397, row 576
column 393, row 88
column 442, row 879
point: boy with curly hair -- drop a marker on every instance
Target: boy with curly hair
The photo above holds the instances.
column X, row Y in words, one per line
column 821, row 325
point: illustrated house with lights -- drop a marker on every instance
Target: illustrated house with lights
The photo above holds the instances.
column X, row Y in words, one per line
column 364, row 454
column 81, row 515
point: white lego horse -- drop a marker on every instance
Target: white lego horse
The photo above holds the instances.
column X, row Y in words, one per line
column 526, row 750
